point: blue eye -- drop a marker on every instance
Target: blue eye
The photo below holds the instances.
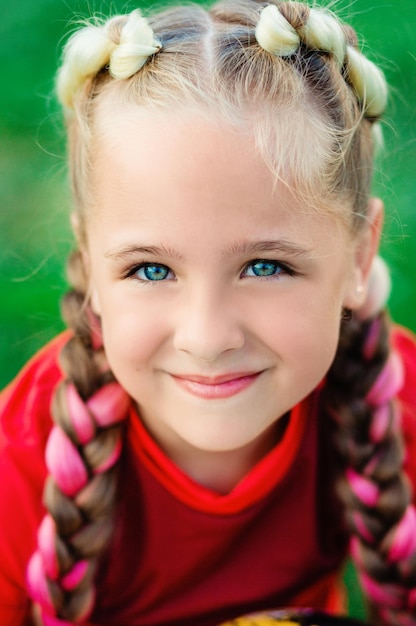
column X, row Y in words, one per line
column 264, row 268
column 152, row 272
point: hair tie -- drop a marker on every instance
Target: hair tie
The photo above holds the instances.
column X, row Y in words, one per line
column 137, row 43
column 92, row 48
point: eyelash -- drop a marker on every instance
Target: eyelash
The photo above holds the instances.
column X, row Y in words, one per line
column 282, row 267
column 133, row 272
column 279, row 269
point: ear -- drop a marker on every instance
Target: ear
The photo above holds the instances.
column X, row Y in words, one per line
column 94, row 301
column 75, row 225
column 365, row 249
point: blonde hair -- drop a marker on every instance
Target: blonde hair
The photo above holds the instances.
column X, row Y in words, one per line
column 230, row 62
column 292, row 76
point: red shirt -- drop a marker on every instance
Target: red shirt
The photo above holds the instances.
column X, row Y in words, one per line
column 182, row 554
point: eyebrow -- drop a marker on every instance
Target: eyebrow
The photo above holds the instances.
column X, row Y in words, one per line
column 240, row 248
column 280, row 246
column 131, row 250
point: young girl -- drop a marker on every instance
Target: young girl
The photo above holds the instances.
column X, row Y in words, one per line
column 230, row 411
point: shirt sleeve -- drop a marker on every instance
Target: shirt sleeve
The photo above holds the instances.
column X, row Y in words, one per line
column 25, row 423
column 405, row 343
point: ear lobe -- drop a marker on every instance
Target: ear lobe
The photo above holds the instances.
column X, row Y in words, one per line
column 366, row 248
column 369, row 240
column 378, row 291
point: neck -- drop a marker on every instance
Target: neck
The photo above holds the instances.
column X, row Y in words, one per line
column 221, row 471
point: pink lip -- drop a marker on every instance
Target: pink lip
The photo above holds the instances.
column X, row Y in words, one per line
column 211, row 388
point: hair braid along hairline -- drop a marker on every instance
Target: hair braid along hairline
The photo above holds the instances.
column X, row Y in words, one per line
column 322, row 32
column 93, row 48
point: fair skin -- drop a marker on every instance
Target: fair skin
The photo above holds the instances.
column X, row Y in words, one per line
column 220, row 295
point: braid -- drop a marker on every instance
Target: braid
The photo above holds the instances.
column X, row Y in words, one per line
column 123, row 43
column 282, row 29
column 81, row 456
column 360, row 397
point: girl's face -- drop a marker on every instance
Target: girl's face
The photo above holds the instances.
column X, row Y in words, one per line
column 220, row 293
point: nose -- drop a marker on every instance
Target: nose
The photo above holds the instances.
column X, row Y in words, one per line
column 208, row 325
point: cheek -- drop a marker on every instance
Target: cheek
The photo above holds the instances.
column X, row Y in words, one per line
column 131, row 336
column 308, row 338
column 305, row 331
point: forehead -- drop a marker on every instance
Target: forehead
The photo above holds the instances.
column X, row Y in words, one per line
column 172, row 136
column 177, row 153
column 191, row 181
column 282, row 140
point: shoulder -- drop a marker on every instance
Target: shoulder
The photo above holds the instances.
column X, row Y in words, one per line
column 25, row 402
column 404, row 341
column 25, row 422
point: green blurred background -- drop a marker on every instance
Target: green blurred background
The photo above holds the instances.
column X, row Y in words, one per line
column 34, row 233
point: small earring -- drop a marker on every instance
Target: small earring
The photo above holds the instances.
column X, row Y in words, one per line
column 346, row 315
column 359, row 290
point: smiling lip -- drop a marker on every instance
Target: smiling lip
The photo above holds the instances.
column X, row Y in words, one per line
column 216, row 387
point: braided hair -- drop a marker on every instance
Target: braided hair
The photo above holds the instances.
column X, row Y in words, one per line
column 81, row 456
column 249, row 59
column 360, row 397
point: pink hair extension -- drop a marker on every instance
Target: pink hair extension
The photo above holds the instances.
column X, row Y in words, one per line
column 108, row 406
column 38, row 585
column 403, row 542
column 384, row 418
column 361, row 528
column 391, row 596
column 46, row 543
column 363, row 488
column 396, row 600
column 64, row 463
column 371, row 341
column 372, row 464
column 388, row 383
column 37, row 582
column 75, row 575
column 81, row 418
column 111, row 459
